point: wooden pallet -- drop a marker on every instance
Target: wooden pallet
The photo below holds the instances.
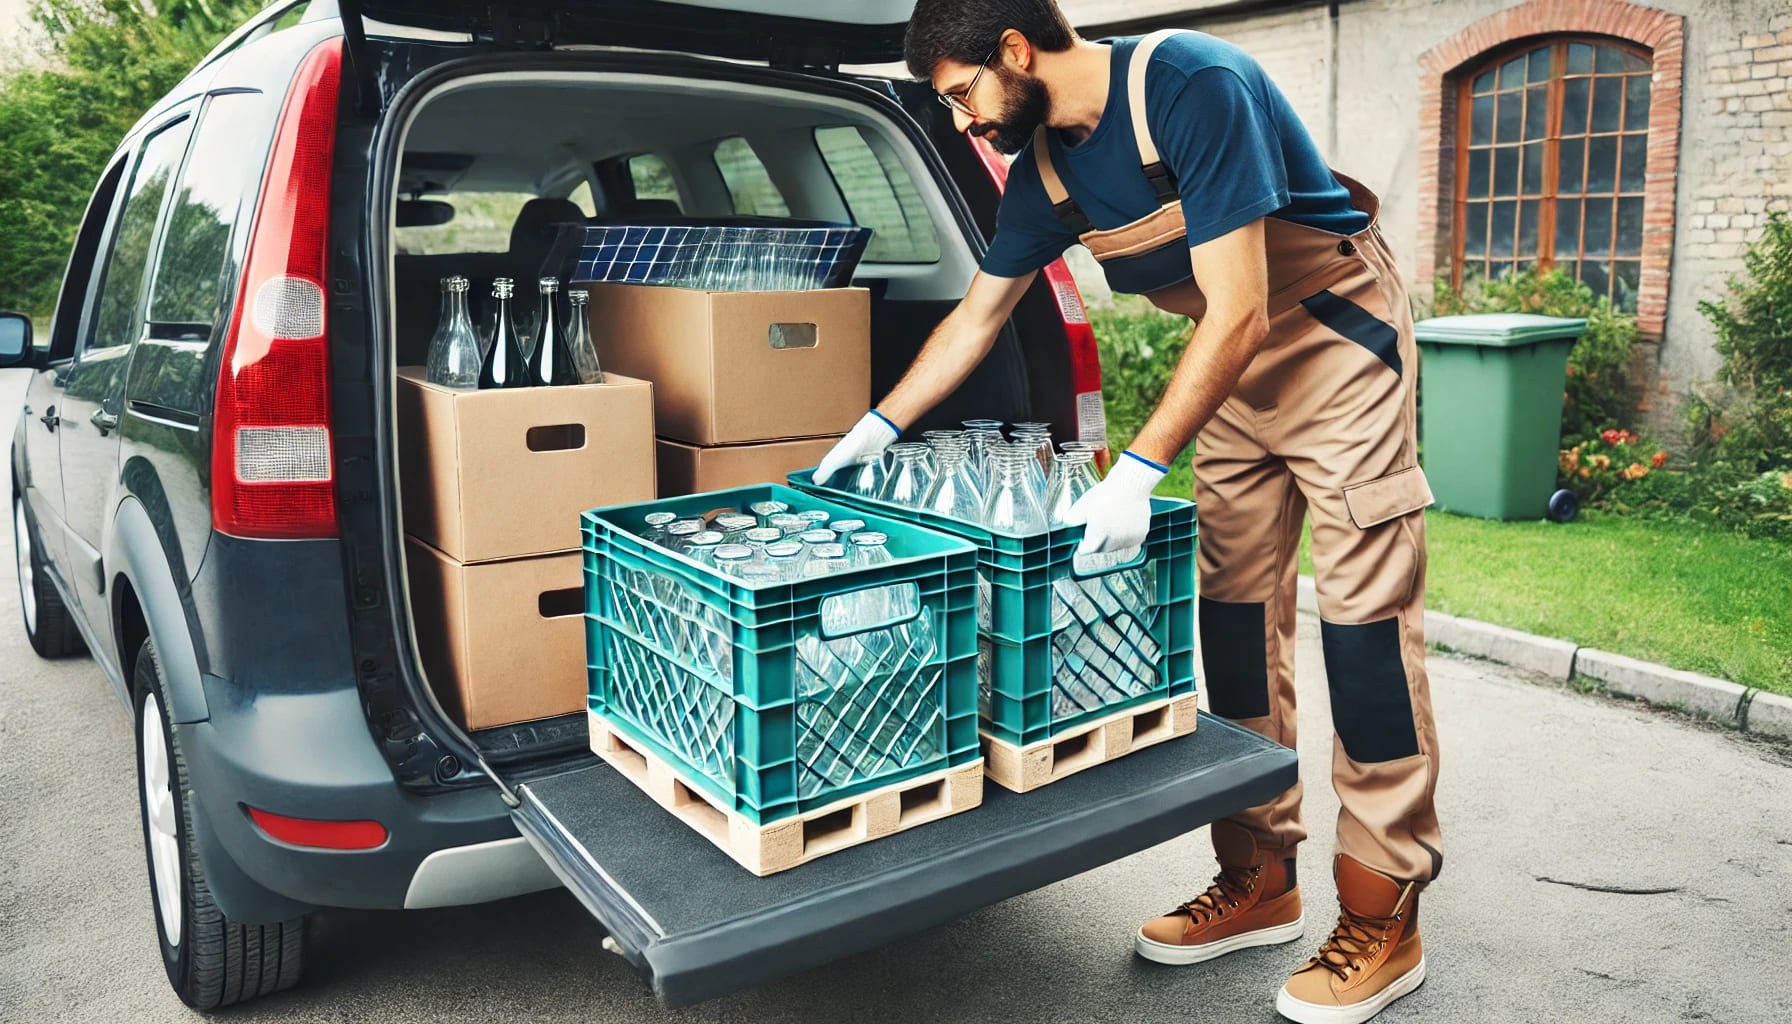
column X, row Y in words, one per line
column 1026, row 768
column 782, row 845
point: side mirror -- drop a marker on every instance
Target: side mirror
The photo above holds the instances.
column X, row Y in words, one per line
column 15, row 340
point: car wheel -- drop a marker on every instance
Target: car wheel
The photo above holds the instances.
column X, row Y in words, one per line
column 211, row 960
column 48, row 624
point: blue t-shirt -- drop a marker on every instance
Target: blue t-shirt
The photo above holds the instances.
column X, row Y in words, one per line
column 1236, row 147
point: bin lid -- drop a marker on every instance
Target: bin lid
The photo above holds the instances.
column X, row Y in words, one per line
column 1499, row 330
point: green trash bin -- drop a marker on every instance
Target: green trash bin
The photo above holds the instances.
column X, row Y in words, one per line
column 1491, row 410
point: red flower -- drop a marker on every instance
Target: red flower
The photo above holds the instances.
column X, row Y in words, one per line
column 1660, row 459
column 1609, row 437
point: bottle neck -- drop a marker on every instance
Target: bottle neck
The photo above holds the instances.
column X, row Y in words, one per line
column 456, row 304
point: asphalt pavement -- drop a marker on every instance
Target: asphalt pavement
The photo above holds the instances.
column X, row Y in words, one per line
column 1603, row 862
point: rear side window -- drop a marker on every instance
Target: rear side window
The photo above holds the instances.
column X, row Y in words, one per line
column 122, row 288
column 749, row 185
column 881, row 196
column 217, row 185
column 652, row 178
column 481, row 223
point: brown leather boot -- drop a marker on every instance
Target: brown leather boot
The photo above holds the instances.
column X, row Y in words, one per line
column 1254, row 901
column 1371, row 959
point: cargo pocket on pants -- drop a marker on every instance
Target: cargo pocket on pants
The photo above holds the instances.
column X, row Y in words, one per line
column 1376, row 501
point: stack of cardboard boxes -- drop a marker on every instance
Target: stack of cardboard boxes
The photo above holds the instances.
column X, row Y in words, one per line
column 493, row 483
column 747, row 386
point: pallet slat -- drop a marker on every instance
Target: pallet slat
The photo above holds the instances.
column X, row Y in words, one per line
column 784, row 844
column 1027, row 768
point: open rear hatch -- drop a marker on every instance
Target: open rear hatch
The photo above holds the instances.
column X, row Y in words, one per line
column 700, row 926
column 811, row 33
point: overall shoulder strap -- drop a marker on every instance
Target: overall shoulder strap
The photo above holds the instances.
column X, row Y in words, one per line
column 1062, row 205
column 1162, row 181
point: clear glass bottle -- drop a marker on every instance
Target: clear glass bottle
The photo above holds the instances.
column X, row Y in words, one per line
column 761, row 536
column 578, row 337
column 867, row 477
column 731, row 558
column 787, row 557
column 908, row 482
column 825, row 560
column 869, row 548
column 954, row 493
column 787, row 523
column 1067, row 485
column 1011, row 506
column 735, row 524
column 819, row 535
column 814, row 517
column 766, row 509
column 935, row 438
column 656, row 523
column 679, row 534
column 550, row 364
column 845, row 528
column 504, row 366
column 702, row 545
column 454, row 351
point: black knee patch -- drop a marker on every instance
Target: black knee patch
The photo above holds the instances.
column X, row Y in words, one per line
column 1235, row 657
column 1371, row 705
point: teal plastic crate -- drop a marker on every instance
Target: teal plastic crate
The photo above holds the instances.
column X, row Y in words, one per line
column 1064, row 641
column 781, row 698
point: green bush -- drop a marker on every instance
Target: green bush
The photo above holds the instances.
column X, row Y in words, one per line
column 1597, row 390
column 1745, row 416
column 103, row 62
column 1140, row 346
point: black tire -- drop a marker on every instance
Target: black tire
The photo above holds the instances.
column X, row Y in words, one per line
column 51, row 629
column 217, row 962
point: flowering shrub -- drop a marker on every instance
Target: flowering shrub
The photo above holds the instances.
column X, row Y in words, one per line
column 1596, row 467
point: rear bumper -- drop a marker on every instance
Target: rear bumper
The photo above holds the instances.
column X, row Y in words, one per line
column 310, row 756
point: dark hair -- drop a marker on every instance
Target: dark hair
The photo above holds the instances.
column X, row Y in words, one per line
column 967, row 30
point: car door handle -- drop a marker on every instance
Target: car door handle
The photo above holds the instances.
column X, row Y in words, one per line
column 103, row 420
column 49, row 419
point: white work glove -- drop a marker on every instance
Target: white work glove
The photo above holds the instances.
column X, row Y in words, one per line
column 870, row 436
column 1116, row 513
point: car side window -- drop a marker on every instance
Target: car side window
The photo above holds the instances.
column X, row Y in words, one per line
column 652, row 178
column 750, row 186
column 190, row 293
column 118, row 320
column 880, row 195
column 81, row 263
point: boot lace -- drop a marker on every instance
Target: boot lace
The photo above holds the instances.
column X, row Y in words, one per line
column 1223, row 895
column 1356, row 940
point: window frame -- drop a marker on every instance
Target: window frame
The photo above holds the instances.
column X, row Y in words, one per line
column 96, row 293
column 1491, row 60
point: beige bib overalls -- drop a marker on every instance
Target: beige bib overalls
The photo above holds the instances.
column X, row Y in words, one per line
column 1322, row 423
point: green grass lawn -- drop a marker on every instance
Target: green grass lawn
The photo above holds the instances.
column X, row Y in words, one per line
column 1678, row 594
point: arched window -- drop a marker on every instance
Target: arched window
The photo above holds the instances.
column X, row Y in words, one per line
column 1550, row 152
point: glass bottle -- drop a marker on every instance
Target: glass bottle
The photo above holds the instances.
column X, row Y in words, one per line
column 819, row 535
column 845, row 528
column 735, row 524
column 760, row 537
column 731, row 558
column 454, row 351
column 867, row 478
column 504, row 366
column 908, row 483
column 578, row 337
column 954, row 492
column 656, row 523
column 786, row 556
column 702, row 545
column 766, row 509
column 869, row 548
column 679, row 534
column 787, row 523
column 550, row 365
column 825, row 560
column 814, row 517
column 1011, row 506
column 1068, row 484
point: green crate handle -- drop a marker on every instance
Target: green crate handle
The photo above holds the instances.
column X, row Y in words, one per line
column 1139, row 560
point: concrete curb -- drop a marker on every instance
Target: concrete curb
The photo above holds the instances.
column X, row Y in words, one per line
column 1720, row 700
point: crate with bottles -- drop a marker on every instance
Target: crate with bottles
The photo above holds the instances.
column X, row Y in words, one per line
column 1067, row 644
column 777, row 657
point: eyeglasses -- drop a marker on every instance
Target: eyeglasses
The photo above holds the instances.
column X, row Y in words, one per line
column 955, row 100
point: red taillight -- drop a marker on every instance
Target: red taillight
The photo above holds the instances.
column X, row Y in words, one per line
column 271, row 458
column 324, row 835
column 1085, row 359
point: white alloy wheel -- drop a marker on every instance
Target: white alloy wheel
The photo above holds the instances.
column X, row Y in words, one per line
column 163, row 823
column 21, row 543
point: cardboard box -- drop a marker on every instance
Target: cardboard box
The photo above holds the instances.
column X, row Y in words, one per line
column 693, row 469
column 504, row 474
column 502, row 642
column 730, row 367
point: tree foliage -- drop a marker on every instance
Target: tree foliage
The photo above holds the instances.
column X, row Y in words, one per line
column 101, row 64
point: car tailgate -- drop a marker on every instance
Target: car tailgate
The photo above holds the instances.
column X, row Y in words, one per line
column 700, row 926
